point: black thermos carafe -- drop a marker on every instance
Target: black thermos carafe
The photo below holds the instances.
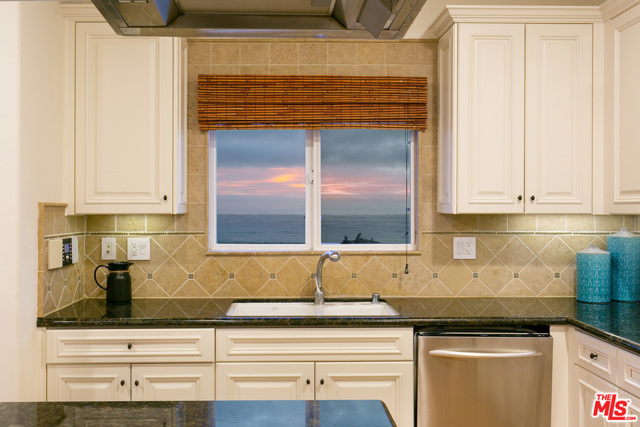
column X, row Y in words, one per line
column 118, row 281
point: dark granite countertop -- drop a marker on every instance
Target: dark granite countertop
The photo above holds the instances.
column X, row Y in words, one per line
column 326, row 413
column 617, row 323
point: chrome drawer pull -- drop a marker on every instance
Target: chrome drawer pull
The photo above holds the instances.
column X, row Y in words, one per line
column 483, row 355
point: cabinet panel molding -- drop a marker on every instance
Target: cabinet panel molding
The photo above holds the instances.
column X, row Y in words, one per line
column 265, row 381
column 314, row 344
column 130, row 345
column 88, row 383
column 595, row 355
column 491, row 118
column 558, row 118
column 391, row 382
column 172, row 381
column 622, row 42
column 130, row 122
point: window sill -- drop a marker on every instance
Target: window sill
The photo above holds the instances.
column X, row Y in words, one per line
column 314, row 253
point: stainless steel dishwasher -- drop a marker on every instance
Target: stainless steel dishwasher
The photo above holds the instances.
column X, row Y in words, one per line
column 493, row 377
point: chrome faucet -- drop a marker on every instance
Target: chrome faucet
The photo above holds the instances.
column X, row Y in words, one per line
column 318, row 297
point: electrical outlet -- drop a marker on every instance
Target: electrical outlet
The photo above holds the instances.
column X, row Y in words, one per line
column 464, row 248
column 108, row 248
column 139, row 248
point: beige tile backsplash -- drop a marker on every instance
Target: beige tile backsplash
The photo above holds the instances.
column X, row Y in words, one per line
column 517, row 255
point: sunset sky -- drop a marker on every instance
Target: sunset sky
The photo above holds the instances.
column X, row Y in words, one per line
column 363, row 171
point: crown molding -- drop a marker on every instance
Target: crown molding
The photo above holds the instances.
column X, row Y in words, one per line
column 612, row 8
column 515, row 15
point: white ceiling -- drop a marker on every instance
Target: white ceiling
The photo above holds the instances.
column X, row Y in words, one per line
column 420, row 27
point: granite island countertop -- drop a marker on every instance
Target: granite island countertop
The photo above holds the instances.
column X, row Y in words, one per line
column 294, row 413
column 617, row 323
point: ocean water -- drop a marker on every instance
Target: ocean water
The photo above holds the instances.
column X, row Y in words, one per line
column 289, row 229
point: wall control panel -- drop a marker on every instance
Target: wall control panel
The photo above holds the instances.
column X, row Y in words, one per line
column 62, row 252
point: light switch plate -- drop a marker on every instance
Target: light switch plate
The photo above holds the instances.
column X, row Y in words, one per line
column 108, row 248
column 464, row 248
column 138, row 248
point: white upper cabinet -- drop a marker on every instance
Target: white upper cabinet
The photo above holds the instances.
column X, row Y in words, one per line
column 558, row 127
column 490, row 117
column 515, row 128
column 622, row 112
column 130, row 122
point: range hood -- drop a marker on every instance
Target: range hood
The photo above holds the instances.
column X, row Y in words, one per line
column 351, row 19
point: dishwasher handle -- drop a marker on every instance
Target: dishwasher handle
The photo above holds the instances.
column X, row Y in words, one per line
column 466, row 354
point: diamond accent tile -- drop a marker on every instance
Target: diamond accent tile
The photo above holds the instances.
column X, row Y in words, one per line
column 435, row 255
column 536, row 276
column 418, row 277
column 516, row 254
column 374, row 275
column 557, row 255
column 293, row 276
column 455, row 276
column 190, row 255
column 335, row 276
column 495, row 276
column 211, row 276
column 252, row 276
column 170, row 276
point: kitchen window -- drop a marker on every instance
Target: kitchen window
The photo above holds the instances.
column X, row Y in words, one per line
column 312, row 190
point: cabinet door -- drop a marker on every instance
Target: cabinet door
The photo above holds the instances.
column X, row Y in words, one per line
column 585, row 387
column 66, row 383
column 447, row 125
column 391, row 382
column 124, row 124
column 265, row 381
column 632, row 409
column 622, row 104
column 558, row 109
column 490, row 118
column 174, row 381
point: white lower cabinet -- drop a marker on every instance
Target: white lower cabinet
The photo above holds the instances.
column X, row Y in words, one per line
column 586, row 385
column 67, row 383
column 133, row 364
column 599, row 367
column 321, row 364
column 162, row 382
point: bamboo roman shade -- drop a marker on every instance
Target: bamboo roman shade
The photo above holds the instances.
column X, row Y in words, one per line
column 311, row 102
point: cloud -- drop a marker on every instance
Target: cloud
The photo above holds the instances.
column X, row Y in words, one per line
column 267, row 148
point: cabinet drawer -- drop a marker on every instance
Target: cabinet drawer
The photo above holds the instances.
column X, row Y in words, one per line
column 629, row 372
column 130, row 345
column 596, row 356
column 326, row 344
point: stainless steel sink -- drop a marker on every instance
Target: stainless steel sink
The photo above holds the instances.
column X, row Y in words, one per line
column 309, row 309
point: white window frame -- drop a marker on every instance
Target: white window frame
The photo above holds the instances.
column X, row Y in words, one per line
column 313, row 195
